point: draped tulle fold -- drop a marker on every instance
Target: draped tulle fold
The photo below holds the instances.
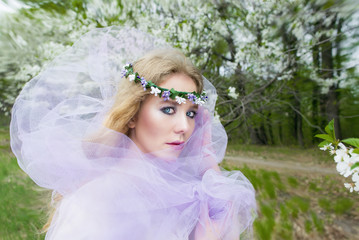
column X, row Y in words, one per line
column 111, row 190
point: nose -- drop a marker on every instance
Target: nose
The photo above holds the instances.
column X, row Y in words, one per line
column 182, row 124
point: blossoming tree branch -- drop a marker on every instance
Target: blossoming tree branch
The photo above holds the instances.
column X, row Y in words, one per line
column 346, row 155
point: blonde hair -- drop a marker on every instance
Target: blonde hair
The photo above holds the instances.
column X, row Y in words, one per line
column 155, row 66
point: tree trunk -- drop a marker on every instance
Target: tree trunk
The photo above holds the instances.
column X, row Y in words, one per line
column 298, row 121
column 254, row 135
column 270, row 129
column 331, row 100
column 316, row 117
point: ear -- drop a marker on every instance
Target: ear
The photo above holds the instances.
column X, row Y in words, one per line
column 132, row 123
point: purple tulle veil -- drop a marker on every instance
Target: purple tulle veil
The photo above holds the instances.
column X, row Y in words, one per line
column 111, row 190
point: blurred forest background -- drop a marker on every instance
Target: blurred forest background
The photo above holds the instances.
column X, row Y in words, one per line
column 283, row 69
column 291, row 65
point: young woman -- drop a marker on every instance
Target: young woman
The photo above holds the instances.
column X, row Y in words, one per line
column 130, row 152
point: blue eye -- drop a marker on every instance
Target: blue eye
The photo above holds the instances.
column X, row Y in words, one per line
column 168, row 110
column 191, row 114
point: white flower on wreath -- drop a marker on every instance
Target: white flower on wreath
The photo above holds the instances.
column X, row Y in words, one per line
column 180, row 100
column 155, row 91
column 131, row 77
column 199, row 101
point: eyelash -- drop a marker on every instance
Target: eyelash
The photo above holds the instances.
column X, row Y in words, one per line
column 194, row 114
column 166, row 110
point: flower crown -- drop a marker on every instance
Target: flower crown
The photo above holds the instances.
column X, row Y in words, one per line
column 165, row 93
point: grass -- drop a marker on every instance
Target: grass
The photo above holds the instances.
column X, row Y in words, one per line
column 290, row 206
column 21, row 211
column 280, row 153
column 301, row 206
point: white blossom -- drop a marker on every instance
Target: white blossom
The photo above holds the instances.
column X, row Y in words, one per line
column 155, row 91
column 327, row 147
column 355, row 177
column 180, row 100
column 344, row 168
column 345, row 162
column 216, row 116
column 350, row 186
column 232, row 92
column 341, row 153
column 332, row 151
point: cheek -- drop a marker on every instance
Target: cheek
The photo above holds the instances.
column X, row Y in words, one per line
column 191, row 128
column 151, row 124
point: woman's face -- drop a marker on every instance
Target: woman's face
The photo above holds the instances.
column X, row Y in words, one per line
column 165, row 125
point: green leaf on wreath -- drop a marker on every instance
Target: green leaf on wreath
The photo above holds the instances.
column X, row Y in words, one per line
column 356, row 151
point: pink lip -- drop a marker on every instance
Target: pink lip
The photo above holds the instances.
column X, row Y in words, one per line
column 176, row 145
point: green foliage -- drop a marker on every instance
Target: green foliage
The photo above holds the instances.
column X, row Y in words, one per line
column 281, row 92
column 330, row 129
column 329, row 138
column 352, row 141
column 355, row 165
column 296, row 205
column 302, row 203
column 313, row 186
column 286, row 227
column 331, row 144
column 268, row 184
column 251, row 174
column 293, row 182
column 325, row 204
column 277, row 215
column 343, row 205
column 318, row 223
column 325, row 137
column 339, row 206
column 308, row 226
column 264, row 226
column 21, row 212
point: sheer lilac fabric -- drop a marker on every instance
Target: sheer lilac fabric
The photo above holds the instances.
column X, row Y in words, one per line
column 111, row 190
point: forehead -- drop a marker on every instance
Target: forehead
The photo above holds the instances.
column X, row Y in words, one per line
column 179, row 82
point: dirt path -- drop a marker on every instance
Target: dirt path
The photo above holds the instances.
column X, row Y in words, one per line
column 283, row 165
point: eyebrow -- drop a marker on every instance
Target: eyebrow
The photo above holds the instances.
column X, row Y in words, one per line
column 173, row 102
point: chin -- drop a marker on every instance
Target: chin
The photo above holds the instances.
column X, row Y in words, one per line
column 169, row 154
